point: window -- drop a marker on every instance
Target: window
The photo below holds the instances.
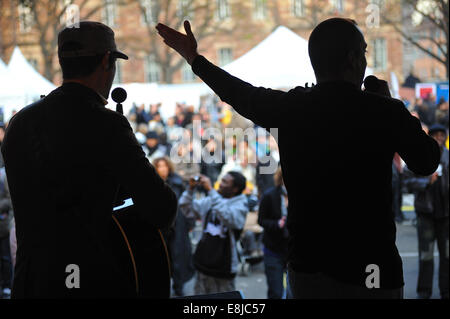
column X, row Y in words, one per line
column 118, row 76
column 187, row 74
column 150, row 12
column 260, row 9
column 110, row 13
column 338, row 5
column 379, row 3
column 223, row 10
column 225, row 56
column 297, row 8
column 379, row 54
column 26, row 19
column 152, row 69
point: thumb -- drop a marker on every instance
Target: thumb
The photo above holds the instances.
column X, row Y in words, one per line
column 187, row 28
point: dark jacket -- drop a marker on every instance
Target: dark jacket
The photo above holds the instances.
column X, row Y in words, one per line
column 65, row 156
column 6, row 212
column 340, row 215
column 178, row 239
column 430, row 199
column 274, row 237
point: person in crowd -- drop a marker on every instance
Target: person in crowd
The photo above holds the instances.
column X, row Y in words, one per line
column 431, row 204
column 206, row 121
column 2, row 136
column 397, row 195
column 6, row 220
column 152, row 148
column 174, row 131
column 156, row 124
column 426, row 108
column 197, row 119
column 212, row 168
column 272, row 217
column 223, row 213
column 442, row 113
column 244, row 162
column 178, row 238
column 154, row 109
column 267, row 160
column 333, row 243
column 180, row 119
column 142, row 116
column 64, row 180
column 186, row 167
column 141, row 133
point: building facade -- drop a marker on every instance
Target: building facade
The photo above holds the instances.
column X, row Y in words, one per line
column 226, row 29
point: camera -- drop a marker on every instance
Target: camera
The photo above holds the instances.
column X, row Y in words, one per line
column 196, row 178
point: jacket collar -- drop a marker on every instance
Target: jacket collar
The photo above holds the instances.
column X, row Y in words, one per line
column 82, row 90
column 336, row 84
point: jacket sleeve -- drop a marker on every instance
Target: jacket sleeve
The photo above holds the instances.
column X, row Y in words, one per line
column 264, row 214
column 258, row 104
column 152, row 196
column 413, row 182
column 193, row 208
column 419, row 151
column 232, row 212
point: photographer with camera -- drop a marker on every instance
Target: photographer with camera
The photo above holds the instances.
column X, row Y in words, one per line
column 223, row 213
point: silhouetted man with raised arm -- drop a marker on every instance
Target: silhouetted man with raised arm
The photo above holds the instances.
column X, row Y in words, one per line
column 65, row 156
column 342, row 238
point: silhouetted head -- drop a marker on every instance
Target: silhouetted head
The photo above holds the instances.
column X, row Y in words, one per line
column 337, row 51
column 87, row 53
column 232, row 184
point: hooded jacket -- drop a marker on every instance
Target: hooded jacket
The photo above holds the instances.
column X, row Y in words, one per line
column 231, row 212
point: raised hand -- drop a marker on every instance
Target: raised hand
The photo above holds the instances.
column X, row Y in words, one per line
column 184, row 44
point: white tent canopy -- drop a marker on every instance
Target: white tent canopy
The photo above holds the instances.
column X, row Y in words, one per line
column 11, row 92
column 20, row 84
column 279, row 61
column 32, row 80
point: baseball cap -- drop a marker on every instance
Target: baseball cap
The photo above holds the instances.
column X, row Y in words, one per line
column 89, row 38
column 437, row 128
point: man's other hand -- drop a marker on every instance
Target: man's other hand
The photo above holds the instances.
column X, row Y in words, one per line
column 184, row 44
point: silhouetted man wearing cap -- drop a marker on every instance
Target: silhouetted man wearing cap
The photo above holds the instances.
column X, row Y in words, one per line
column 65, row 156
column 342, row 239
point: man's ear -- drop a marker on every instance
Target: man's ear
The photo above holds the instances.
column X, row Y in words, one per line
column 352, row 59
column 106, row 61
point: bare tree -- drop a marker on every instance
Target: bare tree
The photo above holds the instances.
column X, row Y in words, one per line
column 424, row 24
column 206, row 17
column 48, row 19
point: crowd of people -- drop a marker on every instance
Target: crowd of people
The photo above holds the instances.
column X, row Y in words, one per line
column 232, row 184
column 267, row 193
column 263, row 193
column 431, row 198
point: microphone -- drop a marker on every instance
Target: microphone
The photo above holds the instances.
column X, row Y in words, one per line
column 119, row 95
column 375, row 85
column 371, row 83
